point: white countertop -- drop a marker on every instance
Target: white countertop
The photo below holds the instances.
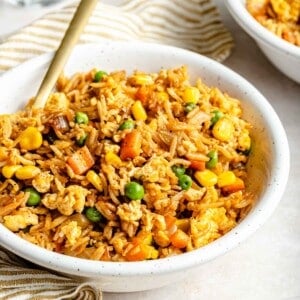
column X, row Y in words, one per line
column 267, row 265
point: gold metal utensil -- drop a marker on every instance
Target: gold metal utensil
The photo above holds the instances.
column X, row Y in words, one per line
column 71, row 37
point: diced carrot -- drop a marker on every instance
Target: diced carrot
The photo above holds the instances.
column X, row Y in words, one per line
column 179, row 239
column 143, row 237
column 81, row 161
column 131, row 145
column 142, row 94
column 70, row 115
column 235, row 187
column 197, row 165
column 170, row 221
column 141, row 252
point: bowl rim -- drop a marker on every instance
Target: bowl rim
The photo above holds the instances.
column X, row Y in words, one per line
column 263, row 209
column 256, row 30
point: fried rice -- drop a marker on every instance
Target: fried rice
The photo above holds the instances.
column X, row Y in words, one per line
column 121, row 167
column 282, row 17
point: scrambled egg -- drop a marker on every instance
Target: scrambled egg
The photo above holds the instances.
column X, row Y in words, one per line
column 42, row 182
column 130, row 212
column 72, row 232
column 194, row 195
column 57, row 101
column 20, row 220
column 155, row 169
column 210, row 226
column 71, row 199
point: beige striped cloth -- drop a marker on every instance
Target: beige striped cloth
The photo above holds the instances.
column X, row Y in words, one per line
column 191, row 24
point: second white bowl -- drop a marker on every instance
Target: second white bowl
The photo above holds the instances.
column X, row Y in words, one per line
column 282, row 54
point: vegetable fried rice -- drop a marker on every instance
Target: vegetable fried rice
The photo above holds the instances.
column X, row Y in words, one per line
column 121, row 167
column 282, row 17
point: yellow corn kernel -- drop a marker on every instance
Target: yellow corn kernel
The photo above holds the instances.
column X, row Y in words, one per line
column 30, row 139
column 9, row 171
column 142, row 79
column 226, row 178
column 151, row 252
column 27, row 172
column 113, row 159
column 162, row 238
column 191, row 95
column 223, row 130
column 295, row 10
column 145, row 237
column 138, row 111
column 282, row 9
column 206, row 177
column 162, row 96
column 95, row 180
column 244, row 140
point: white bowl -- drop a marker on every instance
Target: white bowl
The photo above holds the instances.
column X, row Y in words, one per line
column 268, row 166
column 282, row 54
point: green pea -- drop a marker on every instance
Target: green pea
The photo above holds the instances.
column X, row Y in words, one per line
column 178, row 170
column 134, row 190
column 99, row 75
column 213, row 159
column 185, row 181
column 93, row 214
column 81, row 118
column 217, row 115
column 128, row 124
column 81, row 141
column 189, row 107
column 34, row 196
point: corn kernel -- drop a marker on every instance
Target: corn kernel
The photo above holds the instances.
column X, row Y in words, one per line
column 142, row 79
column 27, row 172
column 226, row 178
column 30, row 139
column 95, row 180
column 162, row 96
column 244, row 140
column 113, row 159
column 191, row 95
column 206, row 178
column 223, row 130
column 145, row 237
column 138, row 111
column 152, row 253
column 162, row 238
column 237, row 186
column 9, row 171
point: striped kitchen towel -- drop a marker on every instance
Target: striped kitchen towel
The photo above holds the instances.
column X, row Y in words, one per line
column 21, row 280
column 192, row 24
